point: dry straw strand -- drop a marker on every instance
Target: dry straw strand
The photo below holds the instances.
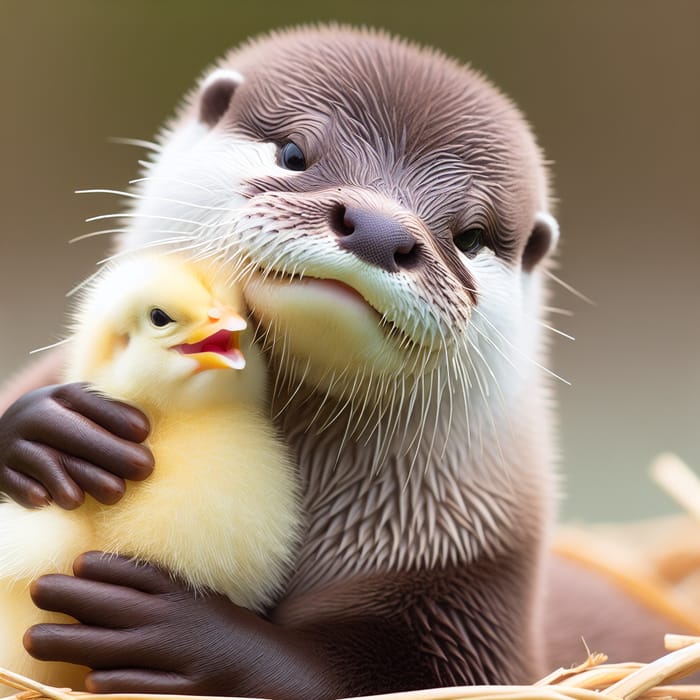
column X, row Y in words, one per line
column 679, row 641
column 591, row 680
column 15, row 680
column 560, row 674
column 32, row 689
column 491, row 692
column 679, row 481
column 676, row 664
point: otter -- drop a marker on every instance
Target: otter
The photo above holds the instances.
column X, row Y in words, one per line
column 387, row 212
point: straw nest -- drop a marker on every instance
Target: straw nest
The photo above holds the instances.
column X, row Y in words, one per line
column 666, row 574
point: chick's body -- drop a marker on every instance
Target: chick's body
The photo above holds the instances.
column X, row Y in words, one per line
column 220, row 509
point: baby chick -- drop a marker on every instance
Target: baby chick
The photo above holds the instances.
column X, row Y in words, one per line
column 221, row 508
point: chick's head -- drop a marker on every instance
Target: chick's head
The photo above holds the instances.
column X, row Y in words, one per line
column 153, row 330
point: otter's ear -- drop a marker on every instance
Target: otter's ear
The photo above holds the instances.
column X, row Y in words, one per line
column 215, row 94
column 543, row 240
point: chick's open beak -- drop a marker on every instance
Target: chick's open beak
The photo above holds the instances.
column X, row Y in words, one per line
column 216, row 344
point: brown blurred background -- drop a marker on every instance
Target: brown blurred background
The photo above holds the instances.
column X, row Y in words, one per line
column 613, row 92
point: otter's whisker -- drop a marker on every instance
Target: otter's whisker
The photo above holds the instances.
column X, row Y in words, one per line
column 384, row 406
column 326, row 396
column 84, row 283
column 151, row 198
column 417, row 438
column 387, row 422
column 435, row 374
column 106, row 231
column 445, row 354
column 58, row 343
column 557, row 310
column 394, row 412
column 294, row 393
column 282, row 362
column 423, row 403
column 161, row 242
column 479, row 385
column 161, row 178
column 409, row 411
column 489, row 407
column 350, row 421
column 378, row 448
column 132, row 215
column 94, row 234
column 359, row 428
column 556, row 330
column 482, row 334
column 265, row 339
column 139, row 143
column 485, row 364
column 335, row 414
column 517, row 350
column 569, row 288
column 463, row 381
column 365, row 431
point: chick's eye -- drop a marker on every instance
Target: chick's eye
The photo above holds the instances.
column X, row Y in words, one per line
column 470, row 241
column 291, row 157
column 159, row 318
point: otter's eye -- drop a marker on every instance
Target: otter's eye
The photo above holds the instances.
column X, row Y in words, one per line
column 470, row 241
column 159, row 318
column 291, row 157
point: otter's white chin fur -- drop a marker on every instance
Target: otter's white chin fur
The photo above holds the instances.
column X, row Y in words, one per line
column 304, row 315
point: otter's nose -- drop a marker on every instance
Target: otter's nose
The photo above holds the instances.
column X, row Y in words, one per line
column 376, row 238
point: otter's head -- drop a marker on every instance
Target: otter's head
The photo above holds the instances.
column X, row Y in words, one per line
column 385, row 207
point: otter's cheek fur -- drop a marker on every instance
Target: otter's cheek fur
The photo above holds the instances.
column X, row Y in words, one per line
column 191, row 193
column 323, row 327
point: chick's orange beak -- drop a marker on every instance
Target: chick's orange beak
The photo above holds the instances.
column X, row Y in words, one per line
column 216, row 344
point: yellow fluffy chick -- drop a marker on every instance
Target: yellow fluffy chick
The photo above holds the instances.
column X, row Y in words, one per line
column 220, row 509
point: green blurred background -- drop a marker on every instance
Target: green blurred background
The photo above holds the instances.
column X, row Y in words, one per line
column 613, row 92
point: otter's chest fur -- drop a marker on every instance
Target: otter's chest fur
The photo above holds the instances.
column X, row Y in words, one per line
column 374, row 505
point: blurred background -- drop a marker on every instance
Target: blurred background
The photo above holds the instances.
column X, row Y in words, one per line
column 611, row 88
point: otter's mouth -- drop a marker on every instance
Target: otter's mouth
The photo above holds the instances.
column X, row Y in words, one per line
column 344, row 293
column 341, row 289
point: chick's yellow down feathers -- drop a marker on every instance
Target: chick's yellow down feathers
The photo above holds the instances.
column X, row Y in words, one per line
column 221, row 507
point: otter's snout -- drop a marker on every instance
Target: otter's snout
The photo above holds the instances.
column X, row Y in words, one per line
column 379, row 239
